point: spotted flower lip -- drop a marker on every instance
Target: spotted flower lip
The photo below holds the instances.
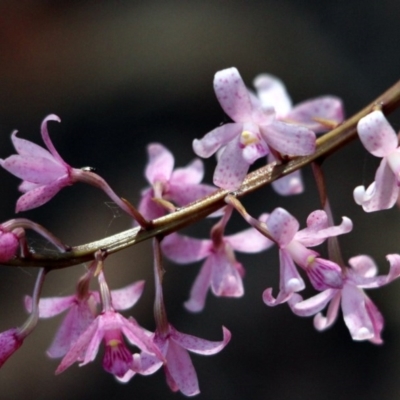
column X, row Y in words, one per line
column 380, row 139
column 254, row 131
column 178, row 367
column 360, row 314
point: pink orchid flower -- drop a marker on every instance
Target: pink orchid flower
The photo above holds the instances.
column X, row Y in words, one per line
column 293, row 248
column 251, row 135
column 379, row 138
column 315, row 114
column 109, row 326
column 44, row 172
column 360, row 314
column 221, row 271
column 10, row 341
column 180, row 186
column 178, row 368
column 82, row 312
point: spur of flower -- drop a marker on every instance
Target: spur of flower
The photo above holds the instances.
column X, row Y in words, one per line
column 253, row 134
column 180, row 186
column 293, row 248
column 179, row 370
column 319, row 115
column 360, row 314
column 220, row 272
column 380, row 139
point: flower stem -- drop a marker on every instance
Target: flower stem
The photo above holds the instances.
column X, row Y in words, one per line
column 194, row 212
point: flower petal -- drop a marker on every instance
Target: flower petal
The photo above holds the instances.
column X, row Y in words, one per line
column 198, row 292
column 180, row 372
column 27, row 148
column 312, row 305
column 215, row 139
column 51, row 306
column 328, row 108
column 192, row 174
column 289, row 139
column 272, row 93
column 231, row 168
column 376, row 134
column 183, row 249
column 381, row 194
column 282, row 226
column 160, row 165
column 126, row 297
column 198, row 345
column 232, row 94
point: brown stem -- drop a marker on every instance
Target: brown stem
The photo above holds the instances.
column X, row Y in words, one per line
column 326, row 145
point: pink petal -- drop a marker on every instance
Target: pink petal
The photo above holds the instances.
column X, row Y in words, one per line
column 364, row 266
column 320, row 322
column 313, row 305
column 78, row 319
column 47, row 141
column 149, row 208
column 326, row 107
column 290, row 281
column 225, row 278
column 193, row 173
column 215, row 139
column 282, row 226
column 51, row 306
column 376, row 134
column 81, row 346
column 289, row 139
column 126, row 297
column 272, row 93
column 377, row 320
column 160, row 165
column 40, row 195
column 26, row 148
column 10, row 342
column 232, row 94
column 198, row 345
column 9, row 244
column 355, row 313
column 231, row 168
column 34, row 169
column 381, row 194
column 183, row 249
column 289, row 184
column 249, row 241
column 183, row 195
column 181, row 374
column 198, row 292
column 315, row 233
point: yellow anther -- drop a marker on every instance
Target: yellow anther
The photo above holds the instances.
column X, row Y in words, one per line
column 248, row 137
column 310, row 260
column 113, row 343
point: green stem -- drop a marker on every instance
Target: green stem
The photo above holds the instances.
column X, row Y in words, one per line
column 192, row 213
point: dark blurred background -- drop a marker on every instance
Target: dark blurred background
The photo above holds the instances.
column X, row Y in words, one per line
column 121, row 74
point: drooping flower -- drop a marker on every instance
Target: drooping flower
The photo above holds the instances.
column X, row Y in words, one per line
column 319, row 115
column 221, row 271
column 179, row 370
column 360, row 314
column 379, row 138
column 254, row 131
column 82, row 310
column 180, row 186
column 293, row 248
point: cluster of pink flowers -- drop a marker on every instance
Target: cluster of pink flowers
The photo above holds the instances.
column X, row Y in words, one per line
column 264, row 125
